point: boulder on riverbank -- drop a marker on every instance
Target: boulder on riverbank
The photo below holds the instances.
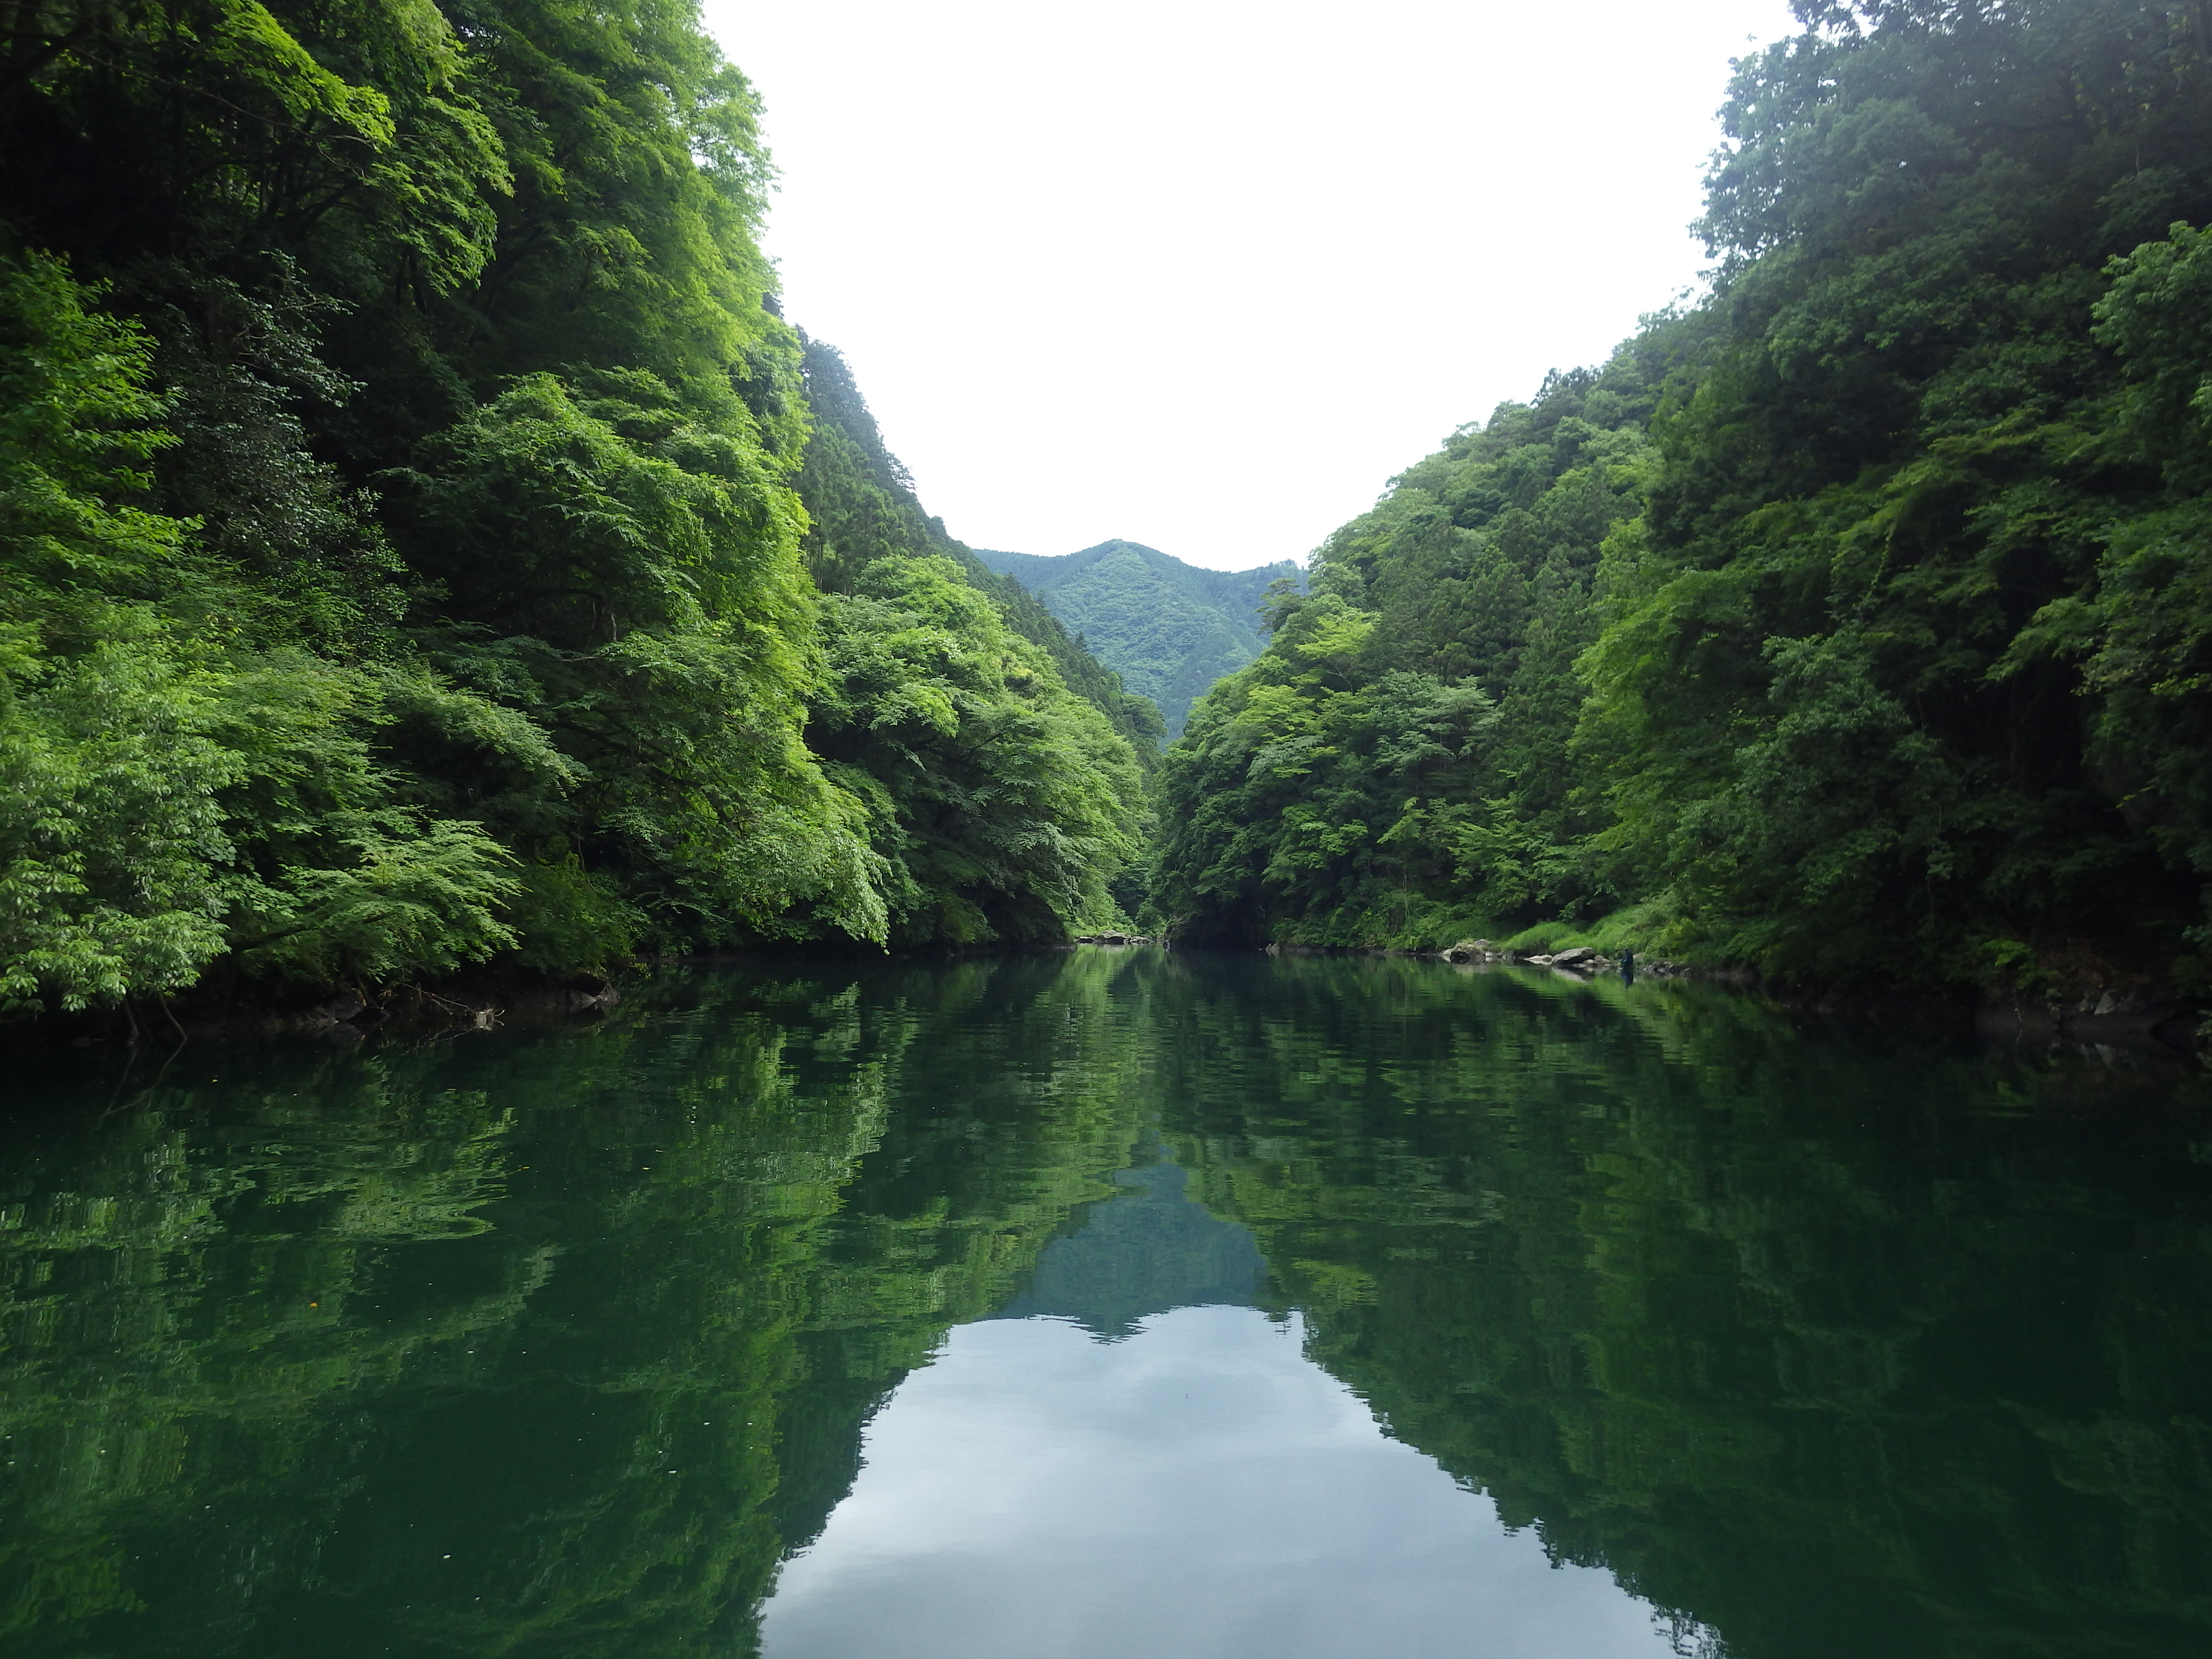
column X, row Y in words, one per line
column 1472, row 949
column 1576, row 959
column 2098, row 1014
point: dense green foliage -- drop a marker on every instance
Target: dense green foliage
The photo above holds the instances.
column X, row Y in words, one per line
column 1850, row 624
column 864, row 509
column 1003, row 795
column 1169, row 630
column 403, row 537
column 1398, row 757
column 1003, row 763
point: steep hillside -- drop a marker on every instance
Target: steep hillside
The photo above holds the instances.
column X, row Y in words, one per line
column 864, row 508
column 405, row 479
column 1850, row 625
column 1169, row 630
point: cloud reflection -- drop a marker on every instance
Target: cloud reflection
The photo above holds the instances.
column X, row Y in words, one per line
column 1202, row 1490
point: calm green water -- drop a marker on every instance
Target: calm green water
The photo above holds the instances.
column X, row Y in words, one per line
column 1188, row 1307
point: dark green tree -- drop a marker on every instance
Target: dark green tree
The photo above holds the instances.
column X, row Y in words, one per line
column 405, row 564
column 1849, row 625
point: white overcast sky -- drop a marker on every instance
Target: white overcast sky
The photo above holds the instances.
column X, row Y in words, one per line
column 1204, row 274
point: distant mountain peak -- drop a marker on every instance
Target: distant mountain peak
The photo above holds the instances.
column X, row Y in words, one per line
column 1170, row 629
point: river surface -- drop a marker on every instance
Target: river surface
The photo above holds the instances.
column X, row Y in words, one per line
column 1111, row 1303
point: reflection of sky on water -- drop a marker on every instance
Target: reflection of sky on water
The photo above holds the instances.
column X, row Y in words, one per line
column 1200, row 1490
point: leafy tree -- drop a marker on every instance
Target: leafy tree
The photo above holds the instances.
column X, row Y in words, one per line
column 175, row 790
column 863, row 508
column 404, row 562
column 1844, row 626
column 1395, row 768
column 1003, row 802
column 1827, row 720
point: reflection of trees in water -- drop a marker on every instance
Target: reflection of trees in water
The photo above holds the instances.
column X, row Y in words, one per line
column 1838, row 1347
column 535, row 1344
column 554, row 1344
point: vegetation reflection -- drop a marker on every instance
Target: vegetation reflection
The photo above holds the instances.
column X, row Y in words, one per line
column 1831, row 1346
column 539, row 1345
column 550, row 1343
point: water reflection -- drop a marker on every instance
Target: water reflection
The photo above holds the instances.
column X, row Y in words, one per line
column 557, row 1343
column 1150, row 1250
column 1200, row 1491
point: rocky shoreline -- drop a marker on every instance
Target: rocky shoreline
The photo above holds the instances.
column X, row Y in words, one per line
column 2095, row 1012
column 2105, row 1010
column 346, row 1015
column 2098, row 1012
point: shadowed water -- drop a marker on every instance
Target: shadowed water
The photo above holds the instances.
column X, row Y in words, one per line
column 1183, row 1305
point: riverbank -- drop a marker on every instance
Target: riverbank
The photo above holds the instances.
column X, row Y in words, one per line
column 479, row 1000
column 2111, row 1011
column 2139, row 1017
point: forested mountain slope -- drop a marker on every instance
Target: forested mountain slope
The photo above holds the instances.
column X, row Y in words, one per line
column 1852, row 625
column 1169, row 630
column 864, row 508
column 403, row 542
